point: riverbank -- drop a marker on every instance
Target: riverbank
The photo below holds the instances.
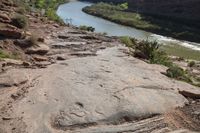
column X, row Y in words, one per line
column 156, row 25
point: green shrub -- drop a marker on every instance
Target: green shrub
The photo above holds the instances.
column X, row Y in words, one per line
column 87, row 28
column 146, row 49
column 178, row 73
column 128, row 41
column 191, row 64
column 20, row 21
column 150, row 51
column 51, row 14
column 175, row 72
column 160, row 57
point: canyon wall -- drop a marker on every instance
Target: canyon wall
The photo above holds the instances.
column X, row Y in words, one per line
column 181, row 10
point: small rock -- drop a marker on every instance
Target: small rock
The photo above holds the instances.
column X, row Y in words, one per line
column 28, row 34
column 56, row 25
column 60, row 57
column 6, row 118
column 63, row 37
column 40, row 39
column 26, row 64
column 14, row 96
column 40, row 58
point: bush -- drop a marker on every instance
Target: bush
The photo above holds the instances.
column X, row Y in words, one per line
column 20, row 21
column 175, row 72
column 87, row 28
column 178, row 73
column 146, row 49
column 129, row 42
column 150, row 51
column 51, row 14
column 162, row 58
column 191, row 64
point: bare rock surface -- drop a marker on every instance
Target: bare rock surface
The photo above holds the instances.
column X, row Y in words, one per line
column 13, row 77
column 109, row 92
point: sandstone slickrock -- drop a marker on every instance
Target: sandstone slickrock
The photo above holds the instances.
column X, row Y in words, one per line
column 103, row 93
column 13, row 77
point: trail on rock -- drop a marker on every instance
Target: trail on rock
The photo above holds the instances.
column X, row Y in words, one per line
column 106, row 91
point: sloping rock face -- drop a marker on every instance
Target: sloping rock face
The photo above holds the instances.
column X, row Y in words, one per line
column 187, row 10
column 106, row 93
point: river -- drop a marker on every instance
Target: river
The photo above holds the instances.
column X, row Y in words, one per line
column 72, row 13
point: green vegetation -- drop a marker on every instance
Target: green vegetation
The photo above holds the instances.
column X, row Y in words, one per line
column 50, row 8
column 87, row 28
column 147, row 50
column 128, row 41
column 20, row 21
column 151, row 51
column 178, row 73
column 116, row 14
column 155, row 24
column 181, row 51
column 124, row 6
column 4, row 54
column 191, row 64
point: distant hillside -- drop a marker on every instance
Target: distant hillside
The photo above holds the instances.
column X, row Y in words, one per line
column 110, row 1
column 180, row 10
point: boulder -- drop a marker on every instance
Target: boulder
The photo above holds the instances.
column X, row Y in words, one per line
column 61, row 57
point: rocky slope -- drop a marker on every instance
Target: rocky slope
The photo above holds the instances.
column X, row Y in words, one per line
column 76, row 81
